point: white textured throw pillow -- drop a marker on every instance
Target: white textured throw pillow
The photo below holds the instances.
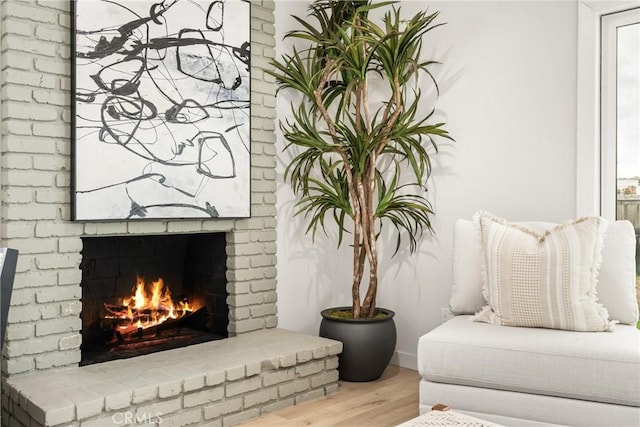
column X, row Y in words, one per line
column 543, row 280
column 466, row 287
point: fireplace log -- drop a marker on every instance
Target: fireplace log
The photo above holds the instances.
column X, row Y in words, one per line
column 122, row 312
column 136, row 333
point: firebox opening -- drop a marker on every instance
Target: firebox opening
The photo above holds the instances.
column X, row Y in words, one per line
column 142, row 294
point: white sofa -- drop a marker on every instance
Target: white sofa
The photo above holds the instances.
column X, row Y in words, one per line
column 531, row 376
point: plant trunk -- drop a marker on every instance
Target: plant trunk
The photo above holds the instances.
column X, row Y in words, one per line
column 370, row 297
column 369, row 303
column 358, row 271
column 363, row 247
column 366, row 192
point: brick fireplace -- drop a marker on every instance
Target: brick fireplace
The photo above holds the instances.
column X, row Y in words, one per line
column 148, row 293
column 43, row 336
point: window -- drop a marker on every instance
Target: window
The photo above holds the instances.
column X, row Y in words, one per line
column 620, row 116
column 620, row 120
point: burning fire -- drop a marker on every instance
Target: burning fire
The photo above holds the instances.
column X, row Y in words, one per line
column 148, row 306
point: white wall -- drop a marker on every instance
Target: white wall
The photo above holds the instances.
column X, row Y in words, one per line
column 508, row 94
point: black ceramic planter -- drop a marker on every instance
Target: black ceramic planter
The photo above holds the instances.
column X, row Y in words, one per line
column 368, row 344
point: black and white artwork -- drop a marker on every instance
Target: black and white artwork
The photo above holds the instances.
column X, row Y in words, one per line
column 161, row 109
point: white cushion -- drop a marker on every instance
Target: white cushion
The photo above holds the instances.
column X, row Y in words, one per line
column 542, row 280
column 580, row 365
column 466, row 287
column 616, row 281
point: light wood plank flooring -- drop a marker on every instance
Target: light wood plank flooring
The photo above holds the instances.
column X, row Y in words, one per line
column 389, row 401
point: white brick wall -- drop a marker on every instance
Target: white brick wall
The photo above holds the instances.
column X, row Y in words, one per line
column 35, row 175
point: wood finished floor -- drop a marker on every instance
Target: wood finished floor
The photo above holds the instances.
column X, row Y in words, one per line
column 389, row 401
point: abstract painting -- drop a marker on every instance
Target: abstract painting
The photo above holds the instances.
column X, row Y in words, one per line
column 161, row 111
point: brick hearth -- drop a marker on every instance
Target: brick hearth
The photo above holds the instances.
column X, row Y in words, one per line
column 218, row 383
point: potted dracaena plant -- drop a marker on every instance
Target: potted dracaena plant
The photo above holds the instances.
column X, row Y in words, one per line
column 360, row 163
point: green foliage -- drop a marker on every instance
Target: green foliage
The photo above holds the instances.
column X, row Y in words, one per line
column 355, row 158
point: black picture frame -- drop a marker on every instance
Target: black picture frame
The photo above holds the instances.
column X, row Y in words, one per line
column 161, row 109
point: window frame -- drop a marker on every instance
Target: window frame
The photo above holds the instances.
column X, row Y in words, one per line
column 588, row 132
column 610, row 23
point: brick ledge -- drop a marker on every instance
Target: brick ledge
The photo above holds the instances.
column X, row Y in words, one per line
column 228, row 381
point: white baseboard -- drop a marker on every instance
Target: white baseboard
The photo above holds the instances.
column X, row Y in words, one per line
column 405, row 360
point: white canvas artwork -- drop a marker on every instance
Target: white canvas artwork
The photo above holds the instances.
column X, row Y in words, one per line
column 161, row 109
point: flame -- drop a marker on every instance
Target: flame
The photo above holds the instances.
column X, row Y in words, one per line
column 149, row 306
